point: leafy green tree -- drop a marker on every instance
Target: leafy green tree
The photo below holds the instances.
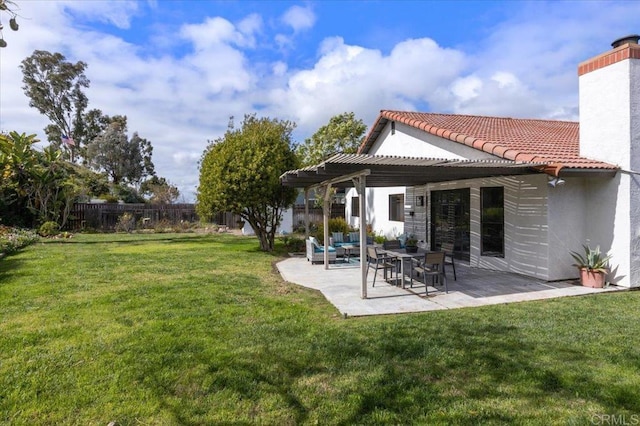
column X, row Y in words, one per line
column 36, row 187
column 240, row 173
column 17, row 159
column 124, row 160
column 159, row 190
column 53, row 188
column 92, row 184
column 8, row 7
column 343, row 133
column 55, row 88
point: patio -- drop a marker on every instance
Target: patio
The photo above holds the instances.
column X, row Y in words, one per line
column 341, row 285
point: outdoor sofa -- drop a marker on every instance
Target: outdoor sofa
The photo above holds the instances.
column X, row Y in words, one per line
column 315, row 251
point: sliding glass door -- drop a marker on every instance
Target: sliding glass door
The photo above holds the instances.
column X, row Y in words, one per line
column 450, row 220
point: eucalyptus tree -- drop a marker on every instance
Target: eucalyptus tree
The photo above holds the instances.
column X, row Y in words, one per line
column 55, row 88
column 159, row 190
column 124, row 160
column 240, row 173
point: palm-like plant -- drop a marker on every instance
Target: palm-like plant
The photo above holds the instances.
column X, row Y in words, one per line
column 592, row 259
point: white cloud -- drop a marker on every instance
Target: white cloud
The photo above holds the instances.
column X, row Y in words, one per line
column 353, row 78
column 117, row 13
column 502, row 94
column 299, row 18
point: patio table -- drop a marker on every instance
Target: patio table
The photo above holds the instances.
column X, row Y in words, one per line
column 402, row 255
column 348, row 249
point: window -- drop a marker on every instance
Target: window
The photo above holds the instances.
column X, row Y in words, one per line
column 355, row 206
column 492, row 222
column 396, row 207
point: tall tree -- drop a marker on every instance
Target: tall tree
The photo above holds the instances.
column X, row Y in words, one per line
column 159, row 190
column 343, row 133
column 124, row 160
column 55, row 88
column 240, row 173
column 8, row 7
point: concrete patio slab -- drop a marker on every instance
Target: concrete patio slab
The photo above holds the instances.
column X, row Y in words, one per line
column 340, row 284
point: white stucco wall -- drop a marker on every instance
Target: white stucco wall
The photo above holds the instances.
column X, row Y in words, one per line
column 377, row 214
column 610, row 131
column 285, row 227
column 567, row 226
column 410, row 142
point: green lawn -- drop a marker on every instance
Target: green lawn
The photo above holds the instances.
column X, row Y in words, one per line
column 199, row 329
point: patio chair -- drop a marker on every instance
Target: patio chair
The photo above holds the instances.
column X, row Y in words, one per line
column 337, row 240
column 379, row 261
column 431, row 266
column 447, row 248
column 354, row 238
column 338, row 237
column 315, row 252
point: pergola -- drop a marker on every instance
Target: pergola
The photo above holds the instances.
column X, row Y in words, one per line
column 364, row 170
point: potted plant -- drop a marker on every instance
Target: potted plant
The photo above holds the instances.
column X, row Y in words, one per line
column 593, row 266
column 411, row 245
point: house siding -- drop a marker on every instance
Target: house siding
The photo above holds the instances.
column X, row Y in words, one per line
column 537, row 244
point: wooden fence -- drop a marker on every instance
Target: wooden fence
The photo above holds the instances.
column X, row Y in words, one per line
column 315, row 214
column 105, row 216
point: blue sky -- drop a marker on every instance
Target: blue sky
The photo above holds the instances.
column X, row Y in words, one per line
column 180, row 69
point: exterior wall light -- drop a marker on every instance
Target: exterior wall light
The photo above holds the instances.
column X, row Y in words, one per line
column 556, row 182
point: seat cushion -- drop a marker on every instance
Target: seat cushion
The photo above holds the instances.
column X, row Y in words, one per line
column 320, row 249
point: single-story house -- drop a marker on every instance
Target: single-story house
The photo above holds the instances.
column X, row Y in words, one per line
column 512, row 194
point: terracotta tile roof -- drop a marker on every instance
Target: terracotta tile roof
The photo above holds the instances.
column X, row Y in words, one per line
column 555, row 143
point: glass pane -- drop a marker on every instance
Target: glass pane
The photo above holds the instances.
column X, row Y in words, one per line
column 492, row 222
column 450, row 220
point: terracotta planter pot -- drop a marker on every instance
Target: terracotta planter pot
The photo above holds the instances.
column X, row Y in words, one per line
column 593, row 279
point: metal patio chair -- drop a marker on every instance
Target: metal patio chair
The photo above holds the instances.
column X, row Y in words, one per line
column 432, row 265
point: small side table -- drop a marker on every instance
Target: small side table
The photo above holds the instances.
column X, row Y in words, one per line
column 347, row 250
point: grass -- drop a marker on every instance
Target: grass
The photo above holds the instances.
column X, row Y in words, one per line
column 192, row 329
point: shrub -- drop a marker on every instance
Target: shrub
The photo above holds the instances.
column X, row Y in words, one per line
column 162, row 226
column 109, row 198
column 49, row 229
column 126, row 223
column 336, row 224
column 14, row 239
column 293, row 244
